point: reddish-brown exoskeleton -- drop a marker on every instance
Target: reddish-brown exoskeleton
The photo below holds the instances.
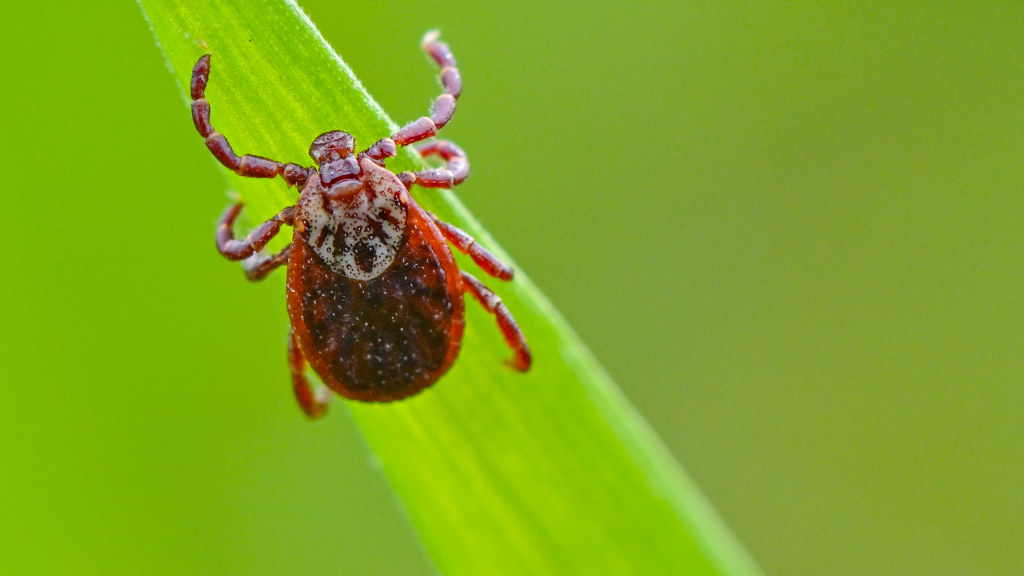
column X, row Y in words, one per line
column 374, row 295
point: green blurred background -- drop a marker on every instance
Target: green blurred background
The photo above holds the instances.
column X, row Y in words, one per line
column 791, row 233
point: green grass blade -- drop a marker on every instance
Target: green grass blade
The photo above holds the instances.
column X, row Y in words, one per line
column 548, row 473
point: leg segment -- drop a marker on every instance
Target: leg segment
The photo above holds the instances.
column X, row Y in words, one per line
column 314, row 404
column 455, row 170
column 233, row 249
column 467, row 245
column 513, row 335
column 381, row 149
column 444, row 106
column 258, row 266
column 247, row 164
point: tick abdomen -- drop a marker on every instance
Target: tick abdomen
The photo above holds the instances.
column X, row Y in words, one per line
column 384, row 338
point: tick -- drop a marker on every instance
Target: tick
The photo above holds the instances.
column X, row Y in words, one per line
column 375, row 298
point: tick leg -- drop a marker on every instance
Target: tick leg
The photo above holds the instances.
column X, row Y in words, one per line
column 233, row 249
column 444, row 106
column 467, row 245
column 455, row 170
column 258, row 266
column 246, row 165
column 314, row 404
column 513, row 335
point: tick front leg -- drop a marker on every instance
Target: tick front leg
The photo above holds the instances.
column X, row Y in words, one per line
column 246, row 165
column 513, row 335
column 467, row 245
column 454, row 172
column 314, row 404
column 233, row 249
column 444, row 106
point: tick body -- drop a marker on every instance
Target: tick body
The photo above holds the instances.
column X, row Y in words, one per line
column 375, row 299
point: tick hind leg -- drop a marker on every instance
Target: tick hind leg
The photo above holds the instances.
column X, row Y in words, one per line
column 514, row 337
column 246, row 165
column 313, row 403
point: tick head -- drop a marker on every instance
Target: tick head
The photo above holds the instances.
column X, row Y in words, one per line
column 333, row 153
column 332, row 146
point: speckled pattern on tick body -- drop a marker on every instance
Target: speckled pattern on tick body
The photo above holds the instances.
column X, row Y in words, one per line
column 374, row 296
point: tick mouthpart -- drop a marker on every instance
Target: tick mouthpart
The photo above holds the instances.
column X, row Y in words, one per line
column 331, row 146
column 346, row 168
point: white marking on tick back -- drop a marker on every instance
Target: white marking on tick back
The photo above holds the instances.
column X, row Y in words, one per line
column 358, row 234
